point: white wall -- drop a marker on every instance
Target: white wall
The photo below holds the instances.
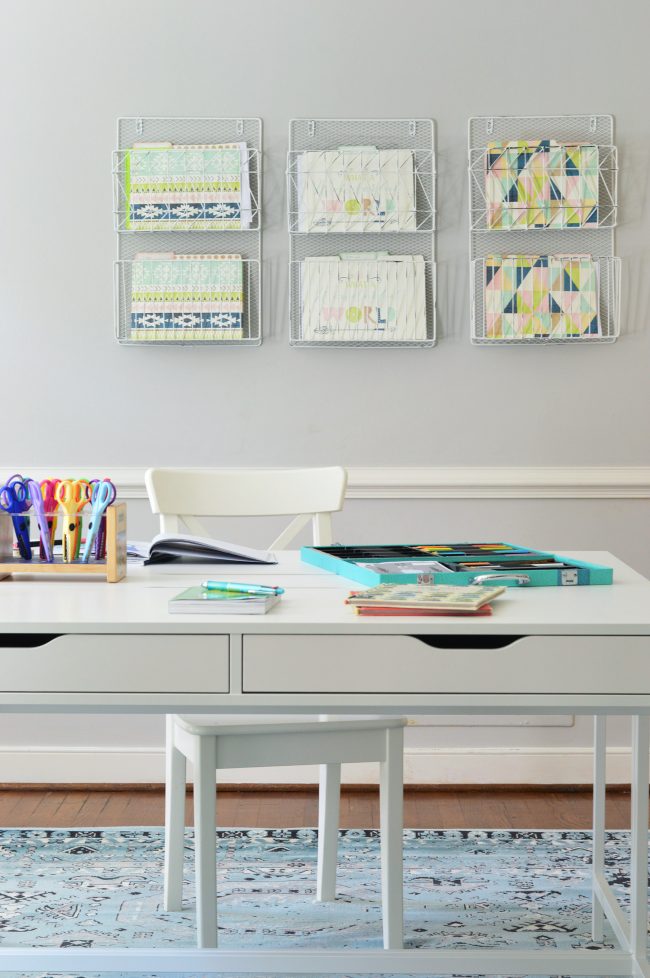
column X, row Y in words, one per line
column 69, row 69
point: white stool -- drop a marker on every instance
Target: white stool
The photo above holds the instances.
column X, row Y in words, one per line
column 211, row 746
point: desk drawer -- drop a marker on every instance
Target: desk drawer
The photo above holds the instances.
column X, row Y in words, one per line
column 116, row 663
column 409, row 664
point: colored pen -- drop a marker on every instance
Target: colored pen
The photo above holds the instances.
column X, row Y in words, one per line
column 240, row 588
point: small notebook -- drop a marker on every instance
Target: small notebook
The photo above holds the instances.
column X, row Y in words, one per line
column 199, row 601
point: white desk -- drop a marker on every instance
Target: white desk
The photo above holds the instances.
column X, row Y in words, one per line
column 87, row 646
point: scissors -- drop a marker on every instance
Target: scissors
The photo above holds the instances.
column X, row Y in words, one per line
column 49, row 502
column 14, row 499
column 34, row 491
column 102, row 494
column 72, row 496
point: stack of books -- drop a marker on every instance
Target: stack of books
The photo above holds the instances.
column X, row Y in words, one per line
column 424, row 599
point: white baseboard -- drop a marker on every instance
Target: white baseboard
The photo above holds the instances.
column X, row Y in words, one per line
column 481, row 765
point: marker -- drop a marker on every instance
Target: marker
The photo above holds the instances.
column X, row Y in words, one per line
column 240, row 588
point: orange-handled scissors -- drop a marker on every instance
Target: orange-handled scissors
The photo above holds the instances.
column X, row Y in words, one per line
column 71, row 495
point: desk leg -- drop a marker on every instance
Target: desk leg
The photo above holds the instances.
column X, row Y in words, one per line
column 205, row 841
column 598, row 845
column 391, row 822
column 639, row 860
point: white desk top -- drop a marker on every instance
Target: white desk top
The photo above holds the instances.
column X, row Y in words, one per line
column 313, row 603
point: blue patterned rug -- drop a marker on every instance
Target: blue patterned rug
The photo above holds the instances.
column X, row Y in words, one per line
column 463, row 889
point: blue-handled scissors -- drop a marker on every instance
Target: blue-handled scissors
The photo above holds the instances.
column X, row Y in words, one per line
column 36, row 496
column 102, row 495
column 14, row 499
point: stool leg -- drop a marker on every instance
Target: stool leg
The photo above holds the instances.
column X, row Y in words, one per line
column 598, row 844
column 329, row 803
column 391, row 819
column 175, row 774
column 205, row 841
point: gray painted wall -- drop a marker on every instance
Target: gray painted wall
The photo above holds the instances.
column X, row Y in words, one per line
column 69, row 69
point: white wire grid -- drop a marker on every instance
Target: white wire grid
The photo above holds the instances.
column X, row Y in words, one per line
column 356, row 226
column 596, row 240
column 606, row 300
column 187, row 322
column 186, row 132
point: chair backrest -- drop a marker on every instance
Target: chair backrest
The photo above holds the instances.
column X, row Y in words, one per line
column 181, row 495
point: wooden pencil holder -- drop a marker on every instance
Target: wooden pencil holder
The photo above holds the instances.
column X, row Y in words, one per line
column 113, row 567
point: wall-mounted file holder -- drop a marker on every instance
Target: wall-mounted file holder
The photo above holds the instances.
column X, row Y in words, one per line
column 191, row 188
column 112, row 567
column 543, row 201
column 361, row 192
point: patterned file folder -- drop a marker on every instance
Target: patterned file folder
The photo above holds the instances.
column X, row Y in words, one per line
column 373, row 297
column 185, row 188
column 187, row 297
column 356, row 189
column 541, row 183
column 548, row 296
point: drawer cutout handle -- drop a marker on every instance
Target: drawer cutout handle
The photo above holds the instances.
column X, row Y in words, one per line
column 25, row 640
column 468, row 641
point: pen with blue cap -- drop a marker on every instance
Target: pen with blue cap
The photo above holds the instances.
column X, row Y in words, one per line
column 259, row 589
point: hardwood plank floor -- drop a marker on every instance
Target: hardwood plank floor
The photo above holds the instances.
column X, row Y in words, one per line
column 423, row 808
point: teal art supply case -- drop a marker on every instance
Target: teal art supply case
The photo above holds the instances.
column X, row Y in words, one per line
column 456, row 563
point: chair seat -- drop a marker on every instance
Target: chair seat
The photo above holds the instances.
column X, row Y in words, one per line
column 202, row 726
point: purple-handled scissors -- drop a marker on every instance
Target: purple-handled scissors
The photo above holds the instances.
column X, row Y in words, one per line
column 14, row 500
column 102, row 495
column 36, row 496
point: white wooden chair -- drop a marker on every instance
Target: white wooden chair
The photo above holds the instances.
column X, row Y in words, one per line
column 181, row 496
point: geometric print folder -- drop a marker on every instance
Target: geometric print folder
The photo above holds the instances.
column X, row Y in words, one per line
column 186, row 188
column 541, row 184
column 187, row 297
column 541, row 296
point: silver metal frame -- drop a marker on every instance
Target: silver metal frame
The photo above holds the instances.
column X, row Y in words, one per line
column 247, row 243
column 417, row 135
column 597, row 240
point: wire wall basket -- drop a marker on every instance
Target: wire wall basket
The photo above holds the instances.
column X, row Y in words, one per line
column 188, row 300
column 553, row 182
column 361, row 218
column 187, row 195
column 547, row 299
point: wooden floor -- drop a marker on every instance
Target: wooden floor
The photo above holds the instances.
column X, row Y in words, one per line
column 424, row 808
